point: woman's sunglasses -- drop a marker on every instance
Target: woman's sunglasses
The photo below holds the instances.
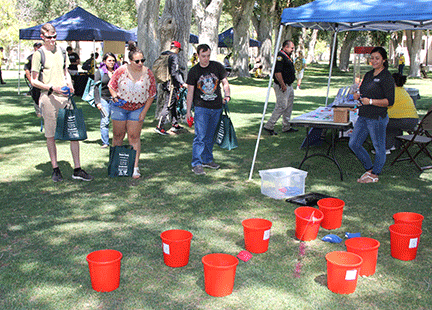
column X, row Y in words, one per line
column 138, row 61
column 50, row 37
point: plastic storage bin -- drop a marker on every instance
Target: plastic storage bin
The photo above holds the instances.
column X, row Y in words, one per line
column 282, row 183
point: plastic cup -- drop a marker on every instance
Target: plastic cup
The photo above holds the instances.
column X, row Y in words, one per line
column 176, row 247
column 367, row 248
column 342, row 271
column 404, row 241
column 104, row 267
column 333, row 211
column 219, row 274
column 409, row 218
column 256, row 235
column 308, row 221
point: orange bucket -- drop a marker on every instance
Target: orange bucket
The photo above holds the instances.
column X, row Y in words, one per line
column 342, row 271
column 308, row 221
column 219, row 274
column 367, row 248
column 333, row 210
column 404, row 241
column 256, row 235
column 104, row 266
column 410, row 218
column 176, row 245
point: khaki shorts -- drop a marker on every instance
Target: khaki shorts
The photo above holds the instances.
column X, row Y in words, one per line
column 50, row 105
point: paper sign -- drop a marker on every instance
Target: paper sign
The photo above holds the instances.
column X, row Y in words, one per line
column 166, row 248
column 266, row 235
column 413, row 243
column 351, row 274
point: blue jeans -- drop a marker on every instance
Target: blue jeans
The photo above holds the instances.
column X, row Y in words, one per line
column 376, row 128
column 206, row 121
column 105, row 121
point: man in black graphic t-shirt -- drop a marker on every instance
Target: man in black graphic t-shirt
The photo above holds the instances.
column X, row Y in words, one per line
column 204, row 90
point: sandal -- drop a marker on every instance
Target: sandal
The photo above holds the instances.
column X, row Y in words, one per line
column 136, row 174
column 367, row 178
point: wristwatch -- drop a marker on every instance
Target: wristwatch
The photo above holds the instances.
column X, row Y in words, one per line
column 370, row 101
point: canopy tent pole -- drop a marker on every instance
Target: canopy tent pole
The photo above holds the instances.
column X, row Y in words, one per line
column 331, row 65
column 267, row 98
column 19, row 66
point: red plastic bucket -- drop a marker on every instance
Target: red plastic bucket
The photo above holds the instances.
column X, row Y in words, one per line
column 404, row 241
column 342, row 271
column 333, row 210
column 308, row 221
column 367, row 248
column 410, row 218
column 176, row 247
column 219, row 274
column 256, row 235
column 104, row 266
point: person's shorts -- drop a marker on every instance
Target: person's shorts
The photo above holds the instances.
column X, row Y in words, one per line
column 299, row 74
column 120, row 114
column 50, row 105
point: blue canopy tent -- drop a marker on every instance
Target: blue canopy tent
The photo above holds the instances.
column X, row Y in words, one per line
column 351, row 15
column 226, row 39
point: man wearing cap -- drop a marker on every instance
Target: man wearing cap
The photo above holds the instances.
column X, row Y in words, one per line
column 34, row 91
column 171, row 87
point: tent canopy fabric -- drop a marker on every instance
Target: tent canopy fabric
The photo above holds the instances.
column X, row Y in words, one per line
column 226, row 39
column 344, row 15
column 80, row 25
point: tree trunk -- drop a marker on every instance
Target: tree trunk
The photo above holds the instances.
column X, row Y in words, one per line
column 345, row 52
column 395, row 39
column 207, row 16
column 311, row 47
column 148, row 41
column 301, row 42
column 334, row 64
column 241, row 14
column 414, row 41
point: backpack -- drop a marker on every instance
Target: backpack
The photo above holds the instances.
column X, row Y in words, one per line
column 88, row 94
column 87, row 64
column 160, row 69
column 298, row 64
column 41, row 51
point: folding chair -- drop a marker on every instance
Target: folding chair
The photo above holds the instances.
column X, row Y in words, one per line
column 421, row 137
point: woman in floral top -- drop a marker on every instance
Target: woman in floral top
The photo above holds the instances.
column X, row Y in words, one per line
column 133, row 88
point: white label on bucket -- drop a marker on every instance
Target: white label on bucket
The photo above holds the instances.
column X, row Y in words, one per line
column 266, row 235
column 166, row 248
column 351, row 274
column 413, row 243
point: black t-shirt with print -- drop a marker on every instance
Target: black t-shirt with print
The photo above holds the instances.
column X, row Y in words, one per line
column 285, row 66
column 207, row 83
column 72, row 58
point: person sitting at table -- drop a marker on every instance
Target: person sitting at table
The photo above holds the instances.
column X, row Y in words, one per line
column 402, row 115
column 376, row 93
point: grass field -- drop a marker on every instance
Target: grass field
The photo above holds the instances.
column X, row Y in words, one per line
column 47, row 229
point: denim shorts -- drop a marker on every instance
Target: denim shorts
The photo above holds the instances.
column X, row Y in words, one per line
column 120, row 114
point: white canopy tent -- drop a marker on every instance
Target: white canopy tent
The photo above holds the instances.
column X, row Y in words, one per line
column 350, row 15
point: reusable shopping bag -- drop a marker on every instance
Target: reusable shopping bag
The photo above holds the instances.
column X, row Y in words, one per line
column 70, row 123
column 88, row 94
column 121, row 161
column 225, row 135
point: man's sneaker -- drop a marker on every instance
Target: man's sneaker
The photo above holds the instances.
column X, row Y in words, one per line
column 176, row 127
column 56, row 175
column 198, row 170
column 211, row 165
column 292, row 129
column 80, row 174
column 388, row 152
column 161, row 131
column 271, row 131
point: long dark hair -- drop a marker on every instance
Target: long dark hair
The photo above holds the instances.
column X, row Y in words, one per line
column 400, row 79
column 104, row 58
column 383, row 54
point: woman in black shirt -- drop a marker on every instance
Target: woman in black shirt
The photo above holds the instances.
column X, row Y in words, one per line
column 377, row 92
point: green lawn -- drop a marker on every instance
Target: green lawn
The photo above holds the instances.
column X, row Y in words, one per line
column 48, row 229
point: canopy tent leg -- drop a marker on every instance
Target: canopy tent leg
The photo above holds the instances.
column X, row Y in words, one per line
column 19, row 67
column 331, row 65
column 267, row 99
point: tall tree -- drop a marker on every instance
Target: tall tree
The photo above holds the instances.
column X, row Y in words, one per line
column 395, row 39
column 347, row 45
column 241, row 13
column 414, row 40
column 207, row 15
column 311, row 47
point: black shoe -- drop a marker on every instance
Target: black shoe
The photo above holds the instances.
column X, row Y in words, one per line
column 56, row 175
column 290, row 130
column 3, row 82
column 80, row 174
column 271, row 131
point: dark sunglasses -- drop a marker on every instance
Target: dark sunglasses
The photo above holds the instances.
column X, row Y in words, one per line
column 50, row 37
column 138, row 61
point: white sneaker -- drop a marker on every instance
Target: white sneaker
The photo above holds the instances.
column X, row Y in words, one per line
column 136, row 174
column 388, row 152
